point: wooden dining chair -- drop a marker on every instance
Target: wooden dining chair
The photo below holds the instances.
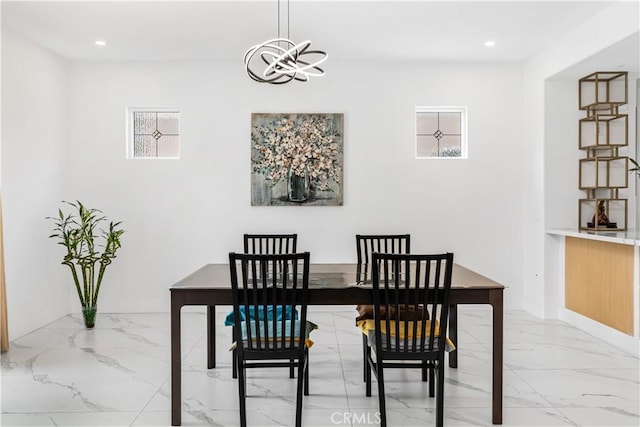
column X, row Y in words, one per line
column 265, row 244
column 270, row 243
column 263, row 285
column 406, row 336
column 367, row 244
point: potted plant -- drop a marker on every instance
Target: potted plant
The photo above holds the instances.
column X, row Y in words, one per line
column 83, row 240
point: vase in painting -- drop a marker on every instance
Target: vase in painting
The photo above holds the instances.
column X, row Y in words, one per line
column 298, row 186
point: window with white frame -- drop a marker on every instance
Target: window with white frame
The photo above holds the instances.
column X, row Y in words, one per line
column 153, row 133
column 441, row 132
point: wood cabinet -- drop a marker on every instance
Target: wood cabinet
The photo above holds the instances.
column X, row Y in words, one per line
column 599, row 281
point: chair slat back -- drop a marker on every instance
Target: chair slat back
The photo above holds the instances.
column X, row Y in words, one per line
column 411, row 301
column 382, row 243
column 265, row 287
column 270, row 243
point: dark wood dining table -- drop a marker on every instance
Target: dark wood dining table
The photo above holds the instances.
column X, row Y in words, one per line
column 330, row 284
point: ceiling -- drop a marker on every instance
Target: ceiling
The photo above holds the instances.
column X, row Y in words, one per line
column 623, row 55
column 217, row 30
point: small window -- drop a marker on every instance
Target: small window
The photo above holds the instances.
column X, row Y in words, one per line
column 153, row 133
column 441, row 132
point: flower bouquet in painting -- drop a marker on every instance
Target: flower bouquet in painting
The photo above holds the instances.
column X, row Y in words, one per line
column 296, row 159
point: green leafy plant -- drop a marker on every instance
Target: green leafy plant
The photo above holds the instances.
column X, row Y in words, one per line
column 90, row 250
column 636, row 167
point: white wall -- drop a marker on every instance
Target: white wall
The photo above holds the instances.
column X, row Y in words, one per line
column 636, row 154
column 613, row 24
column 34, row 125
column 182, row 214
column 561, row 154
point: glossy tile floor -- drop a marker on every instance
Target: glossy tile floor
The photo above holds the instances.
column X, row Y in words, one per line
column 118, row 375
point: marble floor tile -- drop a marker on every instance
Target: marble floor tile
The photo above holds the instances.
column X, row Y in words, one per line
column 603, row 416
column 118, row 375
column 511, row 417
column 464, row 388
column 30, row 345
column 26, row 419
column 563, row 355
column 73, row 419
column 586, row 387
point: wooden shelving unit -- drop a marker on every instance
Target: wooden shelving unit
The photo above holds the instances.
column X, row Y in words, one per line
column 600, row 134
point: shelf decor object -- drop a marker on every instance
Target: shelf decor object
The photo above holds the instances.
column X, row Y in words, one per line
column 281, row 60
column 600, row 134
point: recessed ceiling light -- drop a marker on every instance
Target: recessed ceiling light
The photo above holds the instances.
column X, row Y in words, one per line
column 489, row 43
column 100, row 43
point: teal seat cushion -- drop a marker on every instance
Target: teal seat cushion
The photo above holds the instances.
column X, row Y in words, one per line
column 288, row 312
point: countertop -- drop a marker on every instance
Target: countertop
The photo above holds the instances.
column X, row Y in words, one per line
column 629, row 237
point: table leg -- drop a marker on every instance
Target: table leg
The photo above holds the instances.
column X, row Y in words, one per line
column 176, row 368
column 453, row 335
column 211, row 336
column 495, row 298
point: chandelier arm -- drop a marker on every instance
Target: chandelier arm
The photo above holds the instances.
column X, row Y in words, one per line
column 273, row 78
column 310, row 70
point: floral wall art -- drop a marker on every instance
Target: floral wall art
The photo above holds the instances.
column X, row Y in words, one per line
column 296, row 159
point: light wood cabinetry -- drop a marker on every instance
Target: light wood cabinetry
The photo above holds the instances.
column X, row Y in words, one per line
column 599, row 281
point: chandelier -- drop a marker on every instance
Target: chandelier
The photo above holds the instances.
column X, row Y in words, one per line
column 280, row 60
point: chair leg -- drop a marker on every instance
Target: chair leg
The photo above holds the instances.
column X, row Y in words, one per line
column 234, row 360
column 440, row 395
column 425, row 370
column 299, row 394
column 234, row 365
column 242, row 395
column 365, row 364
column 381, row 398
column 292, row 368
column 367, row 376
column 432, row 379
column 306, row 372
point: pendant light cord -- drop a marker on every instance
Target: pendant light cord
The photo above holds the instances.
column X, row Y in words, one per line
column 288, row 19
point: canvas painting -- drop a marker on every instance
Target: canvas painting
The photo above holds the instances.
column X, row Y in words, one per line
column 296, row 159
